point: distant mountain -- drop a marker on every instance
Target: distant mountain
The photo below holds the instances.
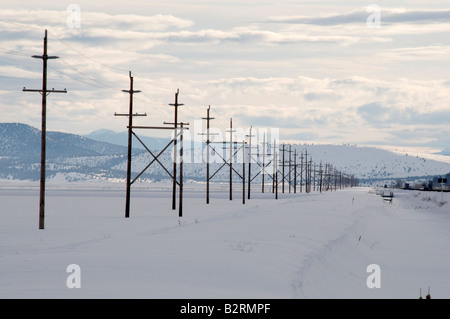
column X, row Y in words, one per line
column 20, row 151
column 446, row 151
column 18, row 139
column 371, row 163
column 72, row 157
column 121, row 138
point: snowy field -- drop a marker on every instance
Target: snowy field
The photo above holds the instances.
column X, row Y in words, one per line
column 300, row 246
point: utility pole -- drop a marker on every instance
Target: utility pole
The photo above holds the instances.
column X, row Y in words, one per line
column 180, row 183
column 130, row 115
column 274, row 167
column 180, row 206
column 44, row 92
column 301, row 172
column 231, row 158
column 174, row 185
column 283, row 172
column 207, row 118
column 243, row 172
column 263, row 162
column 295, row 171
column 320, row 174
column 306, row 171
column 290, row 167
column 250, row 162
column 314, row 179
column 276, row 170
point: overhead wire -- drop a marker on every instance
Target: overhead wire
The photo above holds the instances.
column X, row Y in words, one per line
column 94, row 81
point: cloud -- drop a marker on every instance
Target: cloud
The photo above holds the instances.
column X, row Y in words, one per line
column 10, row 71
column 59, row 19
column 388, row 16
column 381, row 115
column 431, row 52
column 304, row 75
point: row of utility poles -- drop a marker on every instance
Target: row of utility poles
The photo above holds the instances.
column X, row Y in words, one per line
column 278, row 164
column 282, row 170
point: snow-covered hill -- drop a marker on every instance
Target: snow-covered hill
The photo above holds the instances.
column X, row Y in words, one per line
column 121, row 138
column 377, row 163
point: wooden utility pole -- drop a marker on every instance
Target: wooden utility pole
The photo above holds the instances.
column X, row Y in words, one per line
column 249, row 162
column 231, row 158
column 207, row 118
column 320, row 177
column 180, row 205
column 274, row 166
column 290, row 167
column 130, row 115
column 174, row 183
column 314, row 178
column 295, row 171
column 301, row 172
column 306, row 172
column 282, row 188
column 180, row 183
column 44, row 92
column 243, row 172
column 276, row 170
column 263, row 162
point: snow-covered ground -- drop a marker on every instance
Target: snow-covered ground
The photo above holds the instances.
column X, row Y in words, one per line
column 315, row 245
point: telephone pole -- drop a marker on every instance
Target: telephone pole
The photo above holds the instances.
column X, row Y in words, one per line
column 174, row 186
column 295, row 171
column 276, row 167
column 301, row 172
column 263, row 162
column 130, row 115
column 44, row 92
column 290, row 163
column 249, row 162
column 283, row 171
column 208, row 134
column 243, row 172
column 231, row 158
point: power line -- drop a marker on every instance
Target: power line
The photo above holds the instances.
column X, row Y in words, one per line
column 95, row 81
column 12, row 52
column 87, row 57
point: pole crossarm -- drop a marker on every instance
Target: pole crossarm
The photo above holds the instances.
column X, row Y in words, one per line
column 156, row 127
column 127, row 114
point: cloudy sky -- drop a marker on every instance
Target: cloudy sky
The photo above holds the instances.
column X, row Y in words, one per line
column 366, row 73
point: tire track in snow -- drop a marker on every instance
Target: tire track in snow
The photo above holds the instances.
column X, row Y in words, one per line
column 322, row 255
